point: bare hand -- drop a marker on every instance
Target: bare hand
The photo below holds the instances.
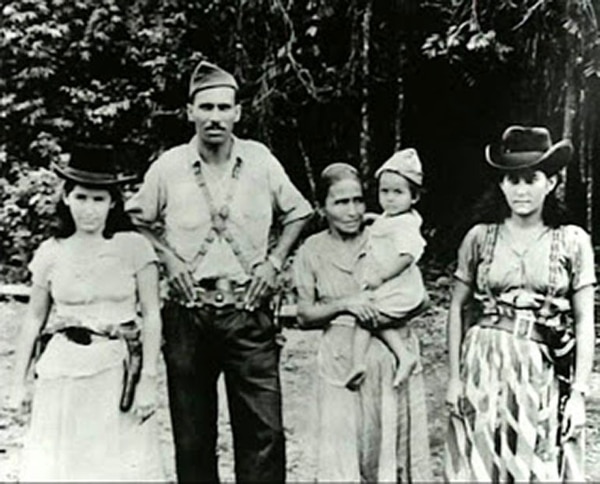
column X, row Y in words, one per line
column 180, row 278
column 573, row 416
column 363, row 309
column 146, row 398
column 453, row 393
column 263, row 279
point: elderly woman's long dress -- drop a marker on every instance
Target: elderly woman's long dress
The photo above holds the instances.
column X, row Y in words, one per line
column 77, row 431
column 377, row 433
column 510, row 400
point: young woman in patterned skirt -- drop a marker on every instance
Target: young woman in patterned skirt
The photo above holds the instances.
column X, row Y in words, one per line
column 517, row 386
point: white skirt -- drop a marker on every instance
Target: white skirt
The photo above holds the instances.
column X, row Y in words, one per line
column 77, row 432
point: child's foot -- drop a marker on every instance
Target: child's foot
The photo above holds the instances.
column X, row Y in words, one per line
column 406, row 366
column 356, row 378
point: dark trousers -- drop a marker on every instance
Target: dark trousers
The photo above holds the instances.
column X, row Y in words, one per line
column 199, row 345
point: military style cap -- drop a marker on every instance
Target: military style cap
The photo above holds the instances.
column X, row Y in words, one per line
column 207, row 75
column 406, row 163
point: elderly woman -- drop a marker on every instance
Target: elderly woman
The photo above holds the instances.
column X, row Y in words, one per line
column 377, row 433
column 516, row 390
column 88, row 283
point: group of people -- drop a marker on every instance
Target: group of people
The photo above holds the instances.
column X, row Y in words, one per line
column 520, row 325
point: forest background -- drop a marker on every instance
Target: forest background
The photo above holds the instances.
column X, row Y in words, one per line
column 322, row 81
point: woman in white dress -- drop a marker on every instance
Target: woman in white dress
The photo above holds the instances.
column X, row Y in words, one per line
column 87, row 281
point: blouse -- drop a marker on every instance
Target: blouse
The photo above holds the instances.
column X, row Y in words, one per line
column 326, row 270
column 525, row 275
column 94, row 293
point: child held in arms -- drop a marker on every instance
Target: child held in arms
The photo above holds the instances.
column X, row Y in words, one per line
column 391, row 271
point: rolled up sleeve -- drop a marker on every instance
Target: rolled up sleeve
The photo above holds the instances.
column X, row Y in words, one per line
column 42, row 263
column 466, row 267
column 288, row 202
column 147, row 205
column 304, row 277
column 583, row 267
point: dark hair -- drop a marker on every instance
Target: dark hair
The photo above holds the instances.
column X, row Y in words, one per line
column 117, row 220
column 331, row 175
column 493, row 208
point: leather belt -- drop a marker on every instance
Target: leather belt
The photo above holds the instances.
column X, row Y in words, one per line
column 75, row 332
column 519, row 326
column 218, row 293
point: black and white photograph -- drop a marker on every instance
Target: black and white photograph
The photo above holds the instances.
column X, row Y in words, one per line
column 299, row 241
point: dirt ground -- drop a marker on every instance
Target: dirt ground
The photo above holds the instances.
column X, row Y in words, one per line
column 298, row 369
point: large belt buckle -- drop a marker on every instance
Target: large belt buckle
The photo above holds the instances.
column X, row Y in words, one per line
column 222, row 290
column 524, row 323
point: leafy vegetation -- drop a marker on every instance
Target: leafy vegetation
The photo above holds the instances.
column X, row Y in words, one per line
column 323, row 80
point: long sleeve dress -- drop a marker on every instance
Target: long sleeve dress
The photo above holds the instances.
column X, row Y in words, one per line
column 77, row 431
column 378, row 433
column 510, row 399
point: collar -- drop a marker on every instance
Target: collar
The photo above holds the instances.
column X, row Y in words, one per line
column 195, row 157
column 346, row 264
column 409, row 213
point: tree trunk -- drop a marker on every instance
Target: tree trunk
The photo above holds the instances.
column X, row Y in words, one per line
column 399, row 100
column 307, row 167
column 365, row 136
column 585, row 158
column 570, row 110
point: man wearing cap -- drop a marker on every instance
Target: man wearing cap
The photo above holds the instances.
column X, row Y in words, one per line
column 217, row 198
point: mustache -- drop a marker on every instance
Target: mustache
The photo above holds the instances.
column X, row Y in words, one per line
column 215, row 125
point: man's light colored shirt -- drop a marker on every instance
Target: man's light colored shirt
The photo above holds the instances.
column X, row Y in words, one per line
column 262, row 194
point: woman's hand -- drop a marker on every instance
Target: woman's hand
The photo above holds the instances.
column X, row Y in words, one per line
column 573, row 416
column 453, row 393
column 146, row 397
column 363, row 308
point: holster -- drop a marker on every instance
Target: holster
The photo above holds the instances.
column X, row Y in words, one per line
column 132, row 365
column 85, row 336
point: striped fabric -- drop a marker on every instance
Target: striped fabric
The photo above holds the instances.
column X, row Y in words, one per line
column 413, row 453
column 508, row 426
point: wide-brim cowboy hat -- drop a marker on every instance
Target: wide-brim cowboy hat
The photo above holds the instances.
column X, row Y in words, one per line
column 524, row 147
column 92, row 165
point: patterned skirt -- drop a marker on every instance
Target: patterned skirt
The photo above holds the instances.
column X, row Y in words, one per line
column 508, row 425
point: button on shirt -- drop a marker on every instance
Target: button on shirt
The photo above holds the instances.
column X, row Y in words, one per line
column 262, row 193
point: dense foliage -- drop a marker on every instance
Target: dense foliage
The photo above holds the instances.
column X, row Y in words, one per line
column 323, row 80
